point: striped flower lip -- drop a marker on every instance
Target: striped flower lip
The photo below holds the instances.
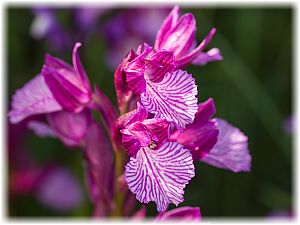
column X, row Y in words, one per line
column 160, row 175
column 166, row 92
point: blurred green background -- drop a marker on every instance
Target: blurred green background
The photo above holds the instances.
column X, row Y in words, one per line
column 252, row 89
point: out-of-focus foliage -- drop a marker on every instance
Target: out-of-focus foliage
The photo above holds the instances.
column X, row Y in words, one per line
column 252, row 89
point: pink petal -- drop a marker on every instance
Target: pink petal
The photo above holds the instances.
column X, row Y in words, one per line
column 182, row 214
column 33, row 98
column 150, row 132
column 205, row 110
column 136, row 136
column 181, row 37
column 174, row 98
column 140, row 114
column 159, row 64
column 231, row 150
column 200, row 136
column 160, row 130
column 191, row 56
column 122, row 90
column 78, row 67
column 210, row 56
column 135, row 77
column 168, row 24
column 160, row 175
column 66, row 88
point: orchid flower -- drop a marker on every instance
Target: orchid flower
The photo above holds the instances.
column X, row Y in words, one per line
column 177, row 34
column 159, row 132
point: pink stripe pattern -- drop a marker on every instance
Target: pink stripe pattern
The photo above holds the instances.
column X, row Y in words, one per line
column 174, row 98
column 33, row 98
column 160, row 175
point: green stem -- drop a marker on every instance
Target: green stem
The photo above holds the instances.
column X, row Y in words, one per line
column 119, row 194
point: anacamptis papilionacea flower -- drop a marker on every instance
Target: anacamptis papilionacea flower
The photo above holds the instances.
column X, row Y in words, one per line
column 159, row 130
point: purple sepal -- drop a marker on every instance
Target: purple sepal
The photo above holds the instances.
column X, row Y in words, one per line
column 182, row 214
column 179, row 38
column 122, row 90
column 178, row 35
column 169, row 23
column 210, row 56
column 188, row 58
column 69, row 86
column 160, row 175
column 200, row 136
column 231, row 150
column 70, row 127
column 33, row 98
column 100, row 169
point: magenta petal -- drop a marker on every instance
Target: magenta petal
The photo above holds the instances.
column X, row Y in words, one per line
column 140, row 114
column 57, row 63
column 181, row 37
column 159, row 64
column 100, row 169
column 78, row 67
column 200, row 136
column 168, row 24
column 160, row 175
column 70, row 127
column 231, row 150
column 135, row 136
column 33, row 98
column 135, row 77
column 182, row 214
column 191, row 56
column 210, row 56
column 150, row 132
column 160, row 130
column 72, row 97
column 59, row 190
column 143, row 50
column 122, row 90
column 174, row 98
column 205, row 110
column 41, row 129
